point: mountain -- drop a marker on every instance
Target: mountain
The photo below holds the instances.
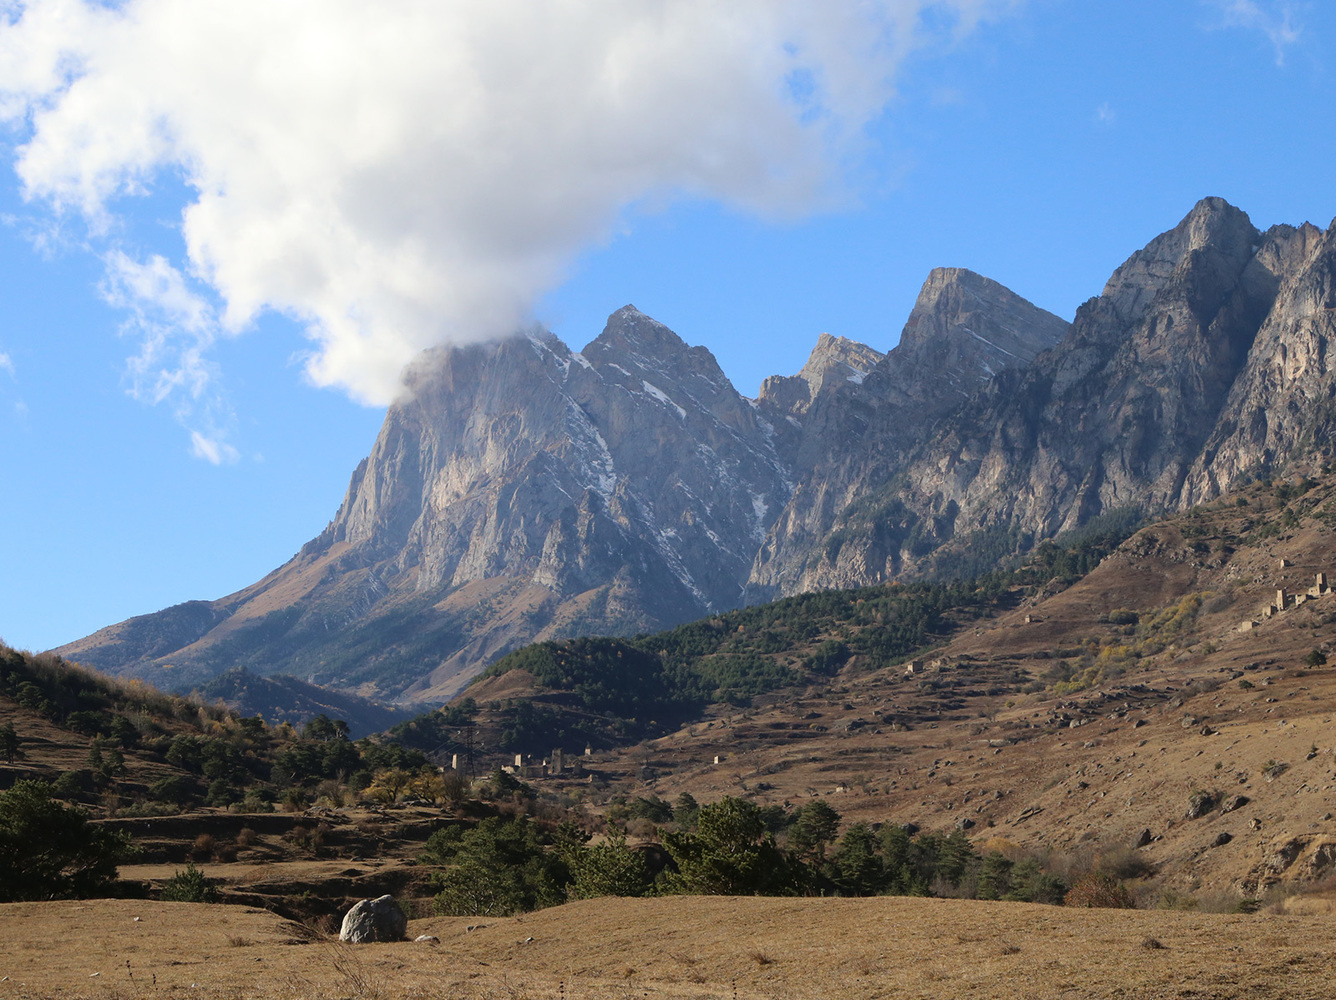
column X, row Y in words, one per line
column 518, row 490
column 521, row 491
column 1202, row 364
column 963, row 331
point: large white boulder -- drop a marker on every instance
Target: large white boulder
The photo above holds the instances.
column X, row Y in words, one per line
column 374, row 920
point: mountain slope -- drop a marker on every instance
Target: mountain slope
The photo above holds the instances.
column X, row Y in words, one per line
column 964, row 329
column 285, row 699
column 1154, row 712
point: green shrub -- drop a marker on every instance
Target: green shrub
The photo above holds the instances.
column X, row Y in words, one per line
column 138, row 810
column 68, row 784
column 256, row 801
column 189, row 886
column 176, row 789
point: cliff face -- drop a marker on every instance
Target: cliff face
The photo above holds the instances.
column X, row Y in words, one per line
column 524, row 459
column 1281, row 404
column 521, row 490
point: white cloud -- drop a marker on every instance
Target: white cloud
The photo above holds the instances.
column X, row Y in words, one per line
column 1273, row 18
column 399, row 175
column 7, row 364
column 1105, row 115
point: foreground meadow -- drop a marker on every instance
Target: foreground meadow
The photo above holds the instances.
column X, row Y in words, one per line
column 681, row 947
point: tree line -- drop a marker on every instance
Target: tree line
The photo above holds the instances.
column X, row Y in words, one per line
column 509, row 864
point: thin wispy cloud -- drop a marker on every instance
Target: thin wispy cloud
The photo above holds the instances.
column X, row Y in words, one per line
column 1105, row 114
column 175, row 327
column 20, row 407
column 396, row 176
column 1277, row 20
column 212, row 450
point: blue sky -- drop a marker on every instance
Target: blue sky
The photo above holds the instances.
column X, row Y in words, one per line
column 171, row 430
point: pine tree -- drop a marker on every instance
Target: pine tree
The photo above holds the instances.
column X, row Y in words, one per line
column 729, row 854
column 858, row 867
column 9, row 742
column 50, row 851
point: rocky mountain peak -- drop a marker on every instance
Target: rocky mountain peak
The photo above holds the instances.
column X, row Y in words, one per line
column 965, row 328
column 834, row 361
column 1213, row 227
column 848, row 358
column 629, row 331
column 633, row 345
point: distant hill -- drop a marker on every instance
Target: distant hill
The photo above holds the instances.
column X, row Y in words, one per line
column 611, row 692
column 286, row 699
column 125, row 748
column 1141, row 704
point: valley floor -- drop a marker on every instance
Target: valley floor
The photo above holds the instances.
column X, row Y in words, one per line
column 676, row 947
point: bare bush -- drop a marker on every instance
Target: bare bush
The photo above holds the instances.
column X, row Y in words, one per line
column 1099, row 890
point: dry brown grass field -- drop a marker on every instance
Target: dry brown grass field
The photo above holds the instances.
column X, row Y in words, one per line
column 713, row 948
